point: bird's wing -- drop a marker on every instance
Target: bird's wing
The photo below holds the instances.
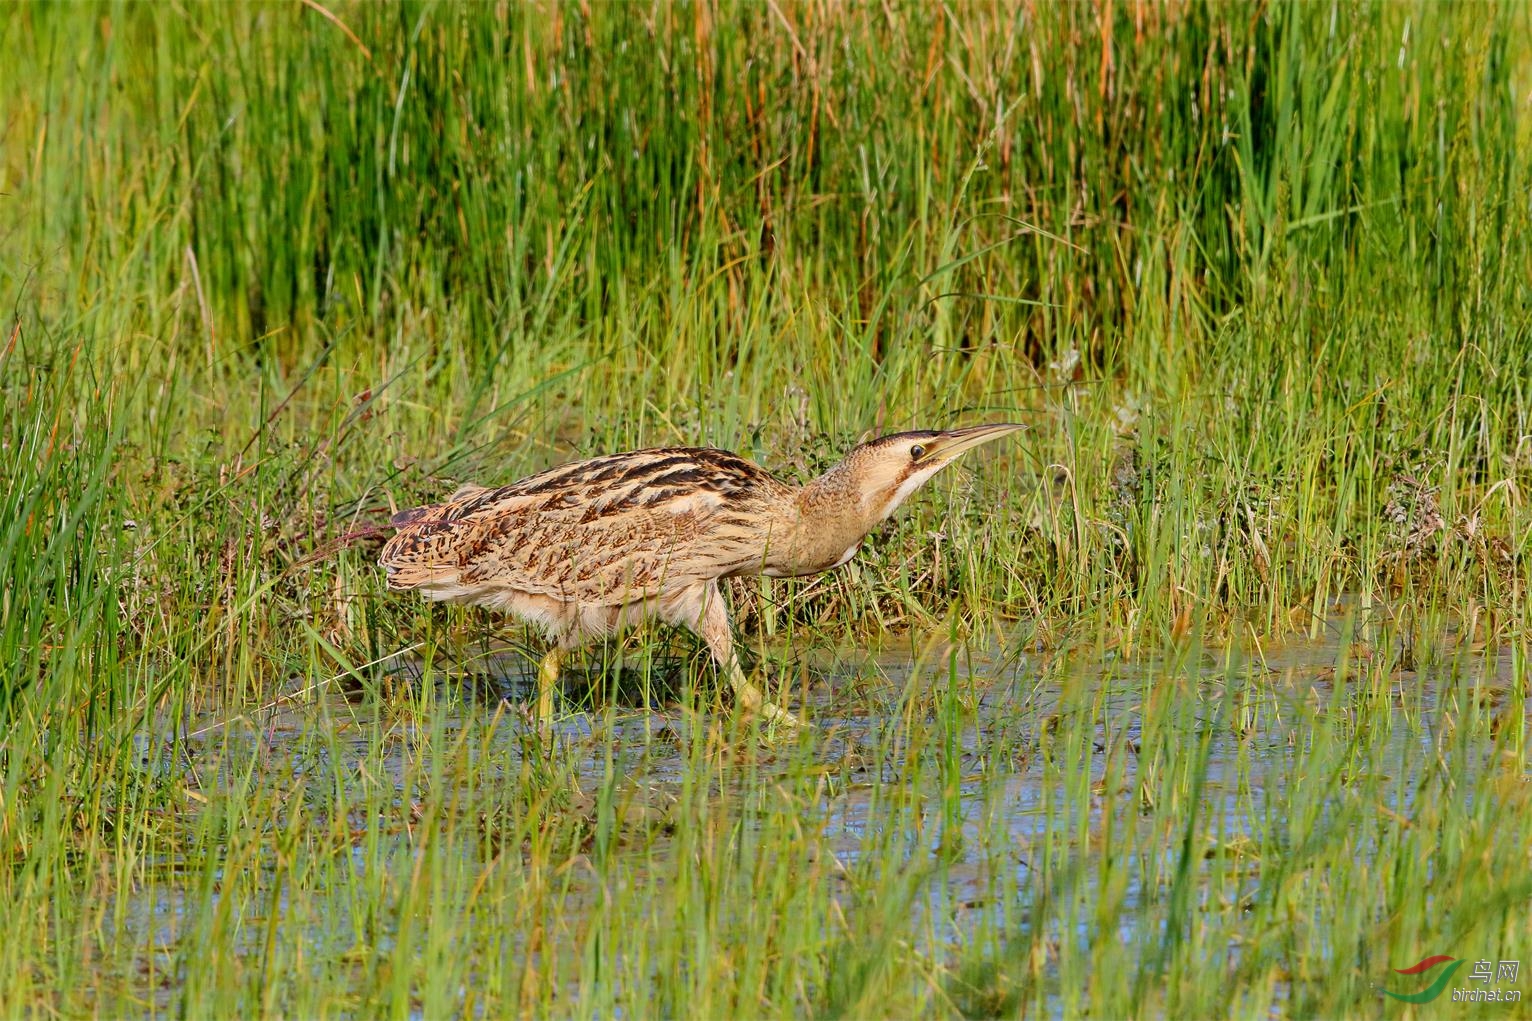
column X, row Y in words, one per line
column 604, row 531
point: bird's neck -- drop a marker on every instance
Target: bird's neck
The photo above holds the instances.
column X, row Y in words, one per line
column 831, row 519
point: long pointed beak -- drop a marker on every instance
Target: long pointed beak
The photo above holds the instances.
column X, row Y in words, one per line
column 945, row 447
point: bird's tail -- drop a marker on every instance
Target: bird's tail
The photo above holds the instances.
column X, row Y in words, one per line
column 420, row 555
column 415, row 559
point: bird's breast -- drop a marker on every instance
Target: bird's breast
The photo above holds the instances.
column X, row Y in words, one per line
column 844, row 557
column 816, row 566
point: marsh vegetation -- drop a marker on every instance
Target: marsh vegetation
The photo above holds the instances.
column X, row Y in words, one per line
column 1207, row 699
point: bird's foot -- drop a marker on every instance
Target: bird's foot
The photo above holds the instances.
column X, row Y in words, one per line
column 776, row 716
column 751, row 699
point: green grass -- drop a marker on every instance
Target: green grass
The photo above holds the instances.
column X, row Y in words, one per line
column 1260, row 281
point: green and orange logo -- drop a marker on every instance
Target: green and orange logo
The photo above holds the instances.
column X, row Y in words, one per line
column 1433, row 990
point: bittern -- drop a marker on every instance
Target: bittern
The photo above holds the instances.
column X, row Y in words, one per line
column 588, row 548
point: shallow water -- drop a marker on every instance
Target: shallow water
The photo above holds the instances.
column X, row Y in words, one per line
column 986, row 772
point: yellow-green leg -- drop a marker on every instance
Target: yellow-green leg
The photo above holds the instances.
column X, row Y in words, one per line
column 547, row 683
column 752, row 699
column 713, row 625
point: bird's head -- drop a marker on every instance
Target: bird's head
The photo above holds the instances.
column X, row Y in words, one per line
column 883, row 472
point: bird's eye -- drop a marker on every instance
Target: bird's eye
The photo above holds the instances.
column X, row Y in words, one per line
column 917, row 452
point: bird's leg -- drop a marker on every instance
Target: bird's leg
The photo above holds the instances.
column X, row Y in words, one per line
column 547, row 681
column 714, row 629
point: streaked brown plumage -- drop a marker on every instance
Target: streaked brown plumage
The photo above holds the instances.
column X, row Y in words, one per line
column 587, row 548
